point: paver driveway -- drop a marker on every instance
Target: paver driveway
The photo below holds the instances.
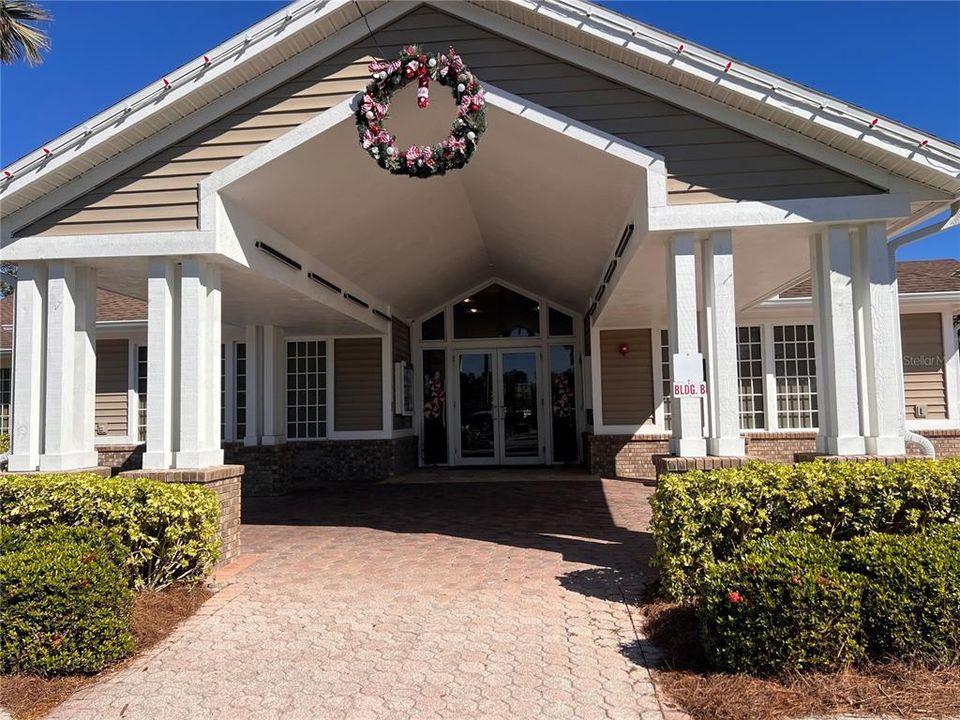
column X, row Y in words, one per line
column 481, row 600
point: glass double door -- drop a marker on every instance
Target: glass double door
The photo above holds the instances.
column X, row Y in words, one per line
column 498, row 407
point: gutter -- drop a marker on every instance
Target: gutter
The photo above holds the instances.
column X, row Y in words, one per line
column 952, row 220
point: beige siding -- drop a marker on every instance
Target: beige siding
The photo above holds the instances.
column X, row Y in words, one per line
column 707, row 162
column 626, row 381
column 923, row 370
column 112, row 382
column 358, row 384
column 401, row 352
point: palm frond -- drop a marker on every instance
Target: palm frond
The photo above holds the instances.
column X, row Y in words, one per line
column 19, row 39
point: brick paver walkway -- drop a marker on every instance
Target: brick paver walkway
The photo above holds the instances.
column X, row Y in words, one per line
column 489, row 600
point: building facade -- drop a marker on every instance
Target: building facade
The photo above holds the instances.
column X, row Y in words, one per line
column 636, row 204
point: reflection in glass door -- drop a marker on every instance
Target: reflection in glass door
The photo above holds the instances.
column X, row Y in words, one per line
column 520, row 420
column 499, row 409
column 477, row 405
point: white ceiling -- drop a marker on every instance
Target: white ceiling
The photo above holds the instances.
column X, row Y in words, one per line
column 533, row 207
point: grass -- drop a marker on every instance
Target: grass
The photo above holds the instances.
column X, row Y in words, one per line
column 155, row 615
column 887, row 689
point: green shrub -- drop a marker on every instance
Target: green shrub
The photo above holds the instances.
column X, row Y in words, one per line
column 15, row 539
column 784, row 605
column 4, row 444
column 170, row 529
column 65, row 602
column 911, row 599
column 703, row 517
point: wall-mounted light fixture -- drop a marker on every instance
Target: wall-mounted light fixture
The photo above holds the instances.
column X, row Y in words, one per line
column 623, row 349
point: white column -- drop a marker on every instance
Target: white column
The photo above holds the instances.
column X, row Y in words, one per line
column 836, row 346
column 274, row 382
column 254, row 385
column 723, row 398
column 163, row 306
column 687, row 421
column 70, row 354
column 86, row 349
column 878, row 316
column 198, row 442
column 28, row 359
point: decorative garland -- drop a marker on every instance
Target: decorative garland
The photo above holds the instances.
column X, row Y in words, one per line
column 422, row 160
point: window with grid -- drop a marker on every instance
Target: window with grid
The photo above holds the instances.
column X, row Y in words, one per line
column 306, row 389
column 142, row 393
column 240, row 368
column 796, row 373
column 665, row 372
column 750, row 377
column 4, row 401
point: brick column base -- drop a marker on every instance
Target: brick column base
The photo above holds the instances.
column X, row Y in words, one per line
column 225, row 481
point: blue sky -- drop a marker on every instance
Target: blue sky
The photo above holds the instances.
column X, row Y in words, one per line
column 894, row 58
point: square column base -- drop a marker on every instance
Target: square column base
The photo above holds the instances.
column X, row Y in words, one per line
column 849, row 445
column 192, row 459
column 69, row 461
column 886, row 445
column 272, row 440
column 688, row 447
column 23, row 463
column 726, row 446
column 157, row 460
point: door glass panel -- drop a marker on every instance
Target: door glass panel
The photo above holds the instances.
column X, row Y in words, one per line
column 520, row 433
column 476, row 405
column 563, row 403
column 434, row 407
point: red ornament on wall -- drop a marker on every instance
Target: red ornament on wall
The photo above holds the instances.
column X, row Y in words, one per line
column 623, row 349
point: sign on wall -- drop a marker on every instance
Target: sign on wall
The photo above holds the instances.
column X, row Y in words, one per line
column 688, row 376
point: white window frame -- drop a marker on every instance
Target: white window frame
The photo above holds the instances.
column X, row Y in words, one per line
column 762, row 377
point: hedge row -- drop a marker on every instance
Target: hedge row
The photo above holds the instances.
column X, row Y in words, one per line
column 170, row 530
column 65, row 604
column 796, row 601
column 701, row 518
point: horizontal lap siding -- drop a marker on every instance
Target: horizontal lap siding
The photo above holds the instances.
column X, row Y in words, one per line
column 923, row 369
column 707, row 162
column 358, row 384
column 112, row 380
column 626, row 381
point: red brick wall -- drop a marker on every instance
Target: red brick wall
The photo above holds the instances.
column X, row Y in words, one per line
column 634, row 456
column 779, row 446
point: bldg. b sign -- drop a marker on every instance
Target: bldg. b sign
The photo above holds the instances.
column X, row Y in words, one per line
column 688, row 376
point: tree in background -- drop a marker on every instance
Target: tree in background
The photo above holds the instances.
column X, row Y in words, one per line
column 18, row 38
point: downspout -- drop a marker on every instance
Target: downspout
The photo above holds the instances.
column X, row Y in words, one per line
column 952, row 220
column 926, row 447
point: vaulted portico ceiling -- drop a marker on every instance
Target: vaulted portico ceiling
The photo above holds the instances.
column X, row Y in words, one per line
column 825, row 129
column 541, row 205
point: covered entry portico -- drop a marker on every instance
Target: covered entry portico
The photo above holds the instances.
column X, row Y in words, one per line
column 560, row 213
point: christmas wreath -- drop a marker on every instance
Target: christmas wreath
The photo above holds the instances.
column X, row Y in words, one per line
column 421, row 160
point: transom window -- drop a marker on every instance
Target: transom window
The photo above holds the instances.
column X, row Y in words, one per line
column 496, row 312
column 306, row 389
column 750, row 376
column 796, row 374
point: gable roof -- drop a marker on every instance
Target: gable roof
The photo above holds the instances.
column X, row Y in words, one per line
column 294, row 38
column 111, row 307
column 913, row 276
